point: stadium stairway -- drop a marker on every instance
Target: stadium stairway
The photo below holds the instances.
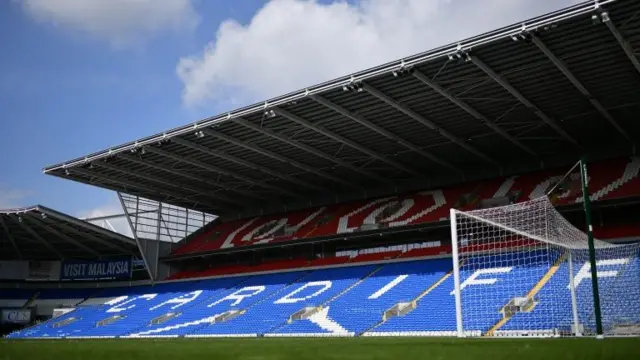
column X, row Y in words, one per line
column 310, row 291
column 530, row 295
column 364, row 306
column 320, row 317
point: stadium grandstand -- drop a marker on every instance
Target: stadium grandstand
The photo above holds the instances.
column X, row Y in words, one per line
column 327, row 211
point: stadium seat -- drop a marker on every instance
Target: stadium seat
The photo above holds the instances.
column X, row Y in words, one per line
column 399, row 298
column 611, row 179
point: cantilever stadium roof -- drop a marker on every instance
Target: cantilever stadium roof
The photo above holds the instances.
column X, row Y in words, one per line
column 531, row 95
column 40, row 233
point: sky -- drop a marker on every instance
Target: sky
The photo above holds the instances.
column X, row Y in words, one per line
column 79, row 76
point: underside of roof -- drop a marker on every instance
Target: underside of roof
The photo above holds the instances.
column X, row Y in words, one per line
column 40, row 233
column 536, row 94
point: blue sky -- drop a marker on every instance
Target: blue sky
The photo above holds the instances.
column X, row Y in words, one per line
column 64, row 94
column 79, row 77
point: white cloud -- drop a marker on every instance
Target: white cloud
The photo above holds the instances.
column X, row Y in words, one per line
column 289, row 44
column 121, row 22
column 13, row 198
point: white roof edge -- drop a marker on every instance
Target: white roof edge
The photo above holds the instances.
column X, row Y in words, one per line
column 479, row 40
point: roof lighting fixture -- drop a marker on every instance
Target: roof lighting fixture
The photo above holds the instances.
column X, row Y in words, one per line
column 269, row 114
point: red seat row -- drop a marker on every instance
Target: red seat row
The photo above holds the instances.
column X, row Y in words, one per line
column 608, row 180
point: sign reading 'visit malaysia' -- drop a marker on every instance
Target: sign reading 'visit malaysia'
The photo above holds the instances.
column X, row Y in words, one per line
column 92, row 270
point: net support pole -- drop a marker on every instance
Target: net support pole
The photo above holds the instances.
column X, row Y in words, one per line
column 456, row 272
column 574, row 301
column 592, row 251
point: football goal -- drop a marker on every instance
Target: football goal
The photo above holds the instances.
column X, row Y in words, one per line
column 524, row 270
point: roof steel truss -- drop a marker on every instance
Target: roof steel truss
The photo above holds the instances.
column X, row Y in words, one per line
column 132, row 186
column 388, row 134
column 10, row 237
column 159, row 180
column 471, row 111
column 428, row 123
column 309, row 149
column 626, row 47
column 572, row 78
column 341, row 139
column 278, row 157
column 507, row 86
column 216, row 169
column 181, row 173
column 35, row 235
column 39, row 223
column 250, row 165
column 96, row 239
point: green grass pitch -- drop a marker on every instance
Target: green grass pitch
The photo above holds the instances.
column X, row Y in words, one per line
column 333, row 348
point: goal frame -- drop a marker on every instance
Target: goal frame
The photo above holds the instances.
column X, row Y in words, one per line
column 582, row 164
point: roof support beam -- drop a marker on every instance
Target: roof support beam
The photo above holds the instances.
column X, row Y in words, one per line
column 309, row 149
column 96, row 239
column 54, row 214
column 507, row 86
column 38, row 237
column 189, row 176
column 10, row 237
column 215, row 169
column 431, row 125
column 572, row 78
column 34, row 220
column 158, row 180
column 471, row 111
column 275, row 156
column 248, row 164
column 388, row 134
column 321, row 130
column 628, row 49
column 133, row 186
column 134, row 231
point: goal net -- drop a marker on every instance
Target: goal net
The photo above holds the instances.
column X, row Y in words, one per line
column 524, row 270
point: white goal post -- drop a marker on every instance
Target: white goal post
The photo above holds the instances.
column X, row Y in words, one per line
column 523, row 270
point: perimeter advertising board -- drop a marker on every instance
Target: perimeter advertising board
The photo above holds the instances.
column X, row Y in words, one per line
column 112, row 269
column 15, row 316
